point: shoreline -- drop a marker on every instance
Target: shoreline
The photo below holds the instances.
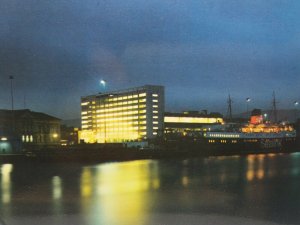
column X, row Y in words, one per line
column 90, row 154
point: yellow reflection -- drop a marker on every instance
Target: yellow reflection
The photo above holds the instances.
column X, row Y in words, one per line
column 118, row 191
column 6, row 170
column 86, row 183
column 185, row 181
column 255, row 167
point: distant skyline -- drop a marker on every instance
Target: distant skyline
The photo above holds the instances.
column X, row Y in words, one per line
column 200, row 51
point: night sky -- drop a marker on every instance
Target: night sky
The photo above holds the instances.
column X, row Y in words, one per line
column 200, row 51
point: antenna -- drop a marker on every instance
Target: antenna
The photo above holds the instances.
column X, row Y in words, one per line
column 274, row 107
column 24, row 101
column 229, row 109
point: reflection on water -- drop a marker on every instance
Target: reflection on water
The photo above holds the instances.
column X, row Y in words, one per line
column 113, row 191
column 6, row 170
column 262, row 186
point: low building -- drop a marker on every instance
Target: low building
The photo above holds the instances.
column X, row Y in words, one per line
column 23, row 128
column 134, row 114
column 189, row 123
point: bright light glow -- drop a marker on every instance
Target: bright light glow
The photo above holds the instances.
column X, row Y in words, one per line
column 4, row 139
column 174, row 119
column 55, row 135
column 103, row 82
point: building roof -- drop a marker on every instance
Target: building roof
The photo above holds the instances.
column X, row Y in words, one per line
column 4, row 113
column 194, row 114
column 124, row 91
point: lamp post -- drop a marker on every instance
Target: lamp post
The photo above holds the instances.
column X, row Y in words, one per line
column 247, row 104
column 265, row 116
column 296, row 103
column 11, row 92
column 12, row 104
column 103, row 83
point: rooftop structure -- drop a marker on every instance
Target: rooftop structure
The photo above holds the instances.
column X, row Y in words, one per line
column 181, row 124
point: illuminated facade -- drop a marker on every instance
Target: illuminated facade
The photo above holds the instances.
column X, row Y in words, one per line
column 121, row 116
column 189, row 123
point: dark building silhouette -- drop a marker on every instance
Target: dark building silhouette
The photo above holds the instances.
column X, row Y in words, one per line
column 24, row 128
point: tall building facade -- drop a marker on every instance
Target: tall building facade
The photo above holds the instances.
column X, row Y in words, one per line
column 133, row 114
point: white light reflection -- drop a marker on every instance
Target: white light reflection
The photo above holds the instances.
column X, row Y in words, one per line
column 56, row 188
column 6, row 170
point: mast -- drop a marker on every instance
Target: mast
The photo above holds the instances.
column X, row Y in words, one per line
column 274, row 107
column 229, row 109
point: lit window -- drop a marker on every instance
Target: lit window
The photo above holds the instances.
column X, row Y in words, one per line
column 155, row 111
column 85, row 103
column 155, row 122
column 142, row 95
column 154, row 100
column 155, row 128
column 154, row 133
column 155, row 106
column 155, row 95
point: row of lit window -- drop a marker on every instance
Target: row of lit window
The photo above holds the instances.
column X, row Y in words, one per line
column 223, row 141
column 111, row 109
column 109, row 105
column 125, row 108
column 27, row 138
column 121, row 134
column 122, row 113
column 173, row 119
column 115, row 119
column 251, row 140
column 119, row 124
column 225, row 135
column 120, row 128
column 127, row 97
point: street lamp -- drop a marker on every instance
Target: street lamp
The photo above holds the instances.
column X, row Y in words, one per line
column 103, row 83
column 265, row 116
column 296, row 103
column 247, row 102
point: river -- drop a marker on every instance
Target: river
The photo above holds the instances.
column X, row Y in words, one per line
column 253, row 189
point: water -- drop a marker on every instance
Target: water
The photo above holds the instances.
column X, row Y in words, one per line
column 254, row 189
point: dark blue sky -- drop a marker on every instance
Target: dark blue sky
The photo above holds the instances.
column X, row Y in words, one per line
column 199, row 50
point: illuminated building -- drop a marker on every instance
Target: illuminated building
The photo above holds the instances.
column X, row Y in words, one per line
column 189, row 123
column 121, row 116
